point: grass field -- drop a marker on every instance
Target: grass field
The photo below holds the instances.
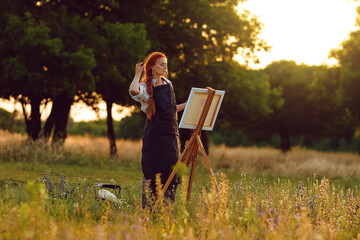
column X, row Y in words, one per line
column 263, row 194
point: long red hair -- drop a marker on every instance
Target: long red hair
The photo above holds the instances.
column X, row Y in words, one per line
column 149, row 62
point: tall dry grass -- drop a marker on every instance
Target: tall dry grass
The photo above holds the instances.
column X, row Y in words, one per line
column 7, row 138
column 251, row 160
column 99, row 146
column 296, row 162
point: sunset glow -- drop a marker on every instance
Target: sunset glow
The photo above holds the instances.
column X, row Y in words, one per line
column 79, row 111
column 302, row 30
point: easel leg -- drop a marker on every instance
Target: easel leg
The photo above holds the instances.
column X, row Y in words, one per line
column 191, row 153
column 184, row 156
column 206, row 159
column 191, row 179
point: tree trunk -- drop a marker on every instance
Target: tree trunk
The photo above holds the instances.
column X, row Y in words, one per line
column 61, row 118
column 34, row 121
column 27, row 122
column 284, row 138
column 110, row 129
column 50, row 122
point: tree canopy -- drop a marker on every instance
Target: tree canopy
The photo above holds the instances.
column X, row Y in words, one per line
column 60, row 52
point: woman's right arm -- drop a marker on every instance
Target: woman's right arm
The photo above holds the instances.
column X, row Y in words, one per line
column 134, row 88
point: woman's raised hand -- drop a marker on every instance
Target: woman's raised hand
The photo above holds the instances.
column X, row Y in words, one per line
column 139, row 67
column 134, row 86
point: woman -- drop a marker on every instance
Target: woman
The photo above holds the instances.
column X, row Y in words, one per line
column 160, row 150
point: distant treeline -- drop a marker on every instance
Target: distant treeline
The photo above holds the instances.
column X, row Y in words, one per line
column 131, row 128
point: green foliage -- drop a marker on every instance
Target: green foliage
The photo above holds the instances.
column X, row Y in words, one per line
column 120, row 47
column 128, row 128
column 132, row 127
column 80, row 47
column 5, row 119
column 93, row 128
column 348, row 57
column 45, row 67
column 249, row 96
column 329, row 115
column 308, row 104
column 26, row 48
column 230, row 138
column 57, row 50
column 234, row 138
column 293, row 80
column 194, row 34
column 336, row 145
column 11, row 122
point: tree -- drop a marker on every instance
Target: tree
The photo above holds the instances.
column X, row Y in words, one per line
column 292, row 118
column 348, row 57
column 349, row 60
column 194, row 35
column 121, row 46
column 26, row 47
column 116, row 48
column 74, row 77
column 329, row 115
column 311, row 109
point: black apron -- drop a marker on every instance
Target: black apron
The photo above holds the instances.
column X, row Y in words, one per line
column 160, row 150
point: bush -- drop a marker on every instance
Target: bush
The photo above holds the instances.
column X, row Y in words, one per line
column 10, row 121
column 132, row 127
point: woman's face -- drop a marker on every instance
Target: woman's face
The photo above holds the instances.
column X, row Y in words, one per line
column 160, row 67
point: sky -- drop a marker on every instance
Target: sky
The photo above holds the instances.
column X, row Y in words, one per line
column 301, row 30
column 79, row 111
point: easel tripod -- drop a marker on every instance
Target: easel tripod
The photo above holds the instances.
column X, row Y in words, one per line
column 192, row 146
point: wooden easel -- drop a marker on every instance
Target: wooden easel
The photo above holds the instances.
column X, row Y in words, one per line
column 192, row 146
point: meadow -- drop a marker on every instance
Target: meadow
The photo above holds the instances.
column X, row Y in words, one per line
column 47, row 192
